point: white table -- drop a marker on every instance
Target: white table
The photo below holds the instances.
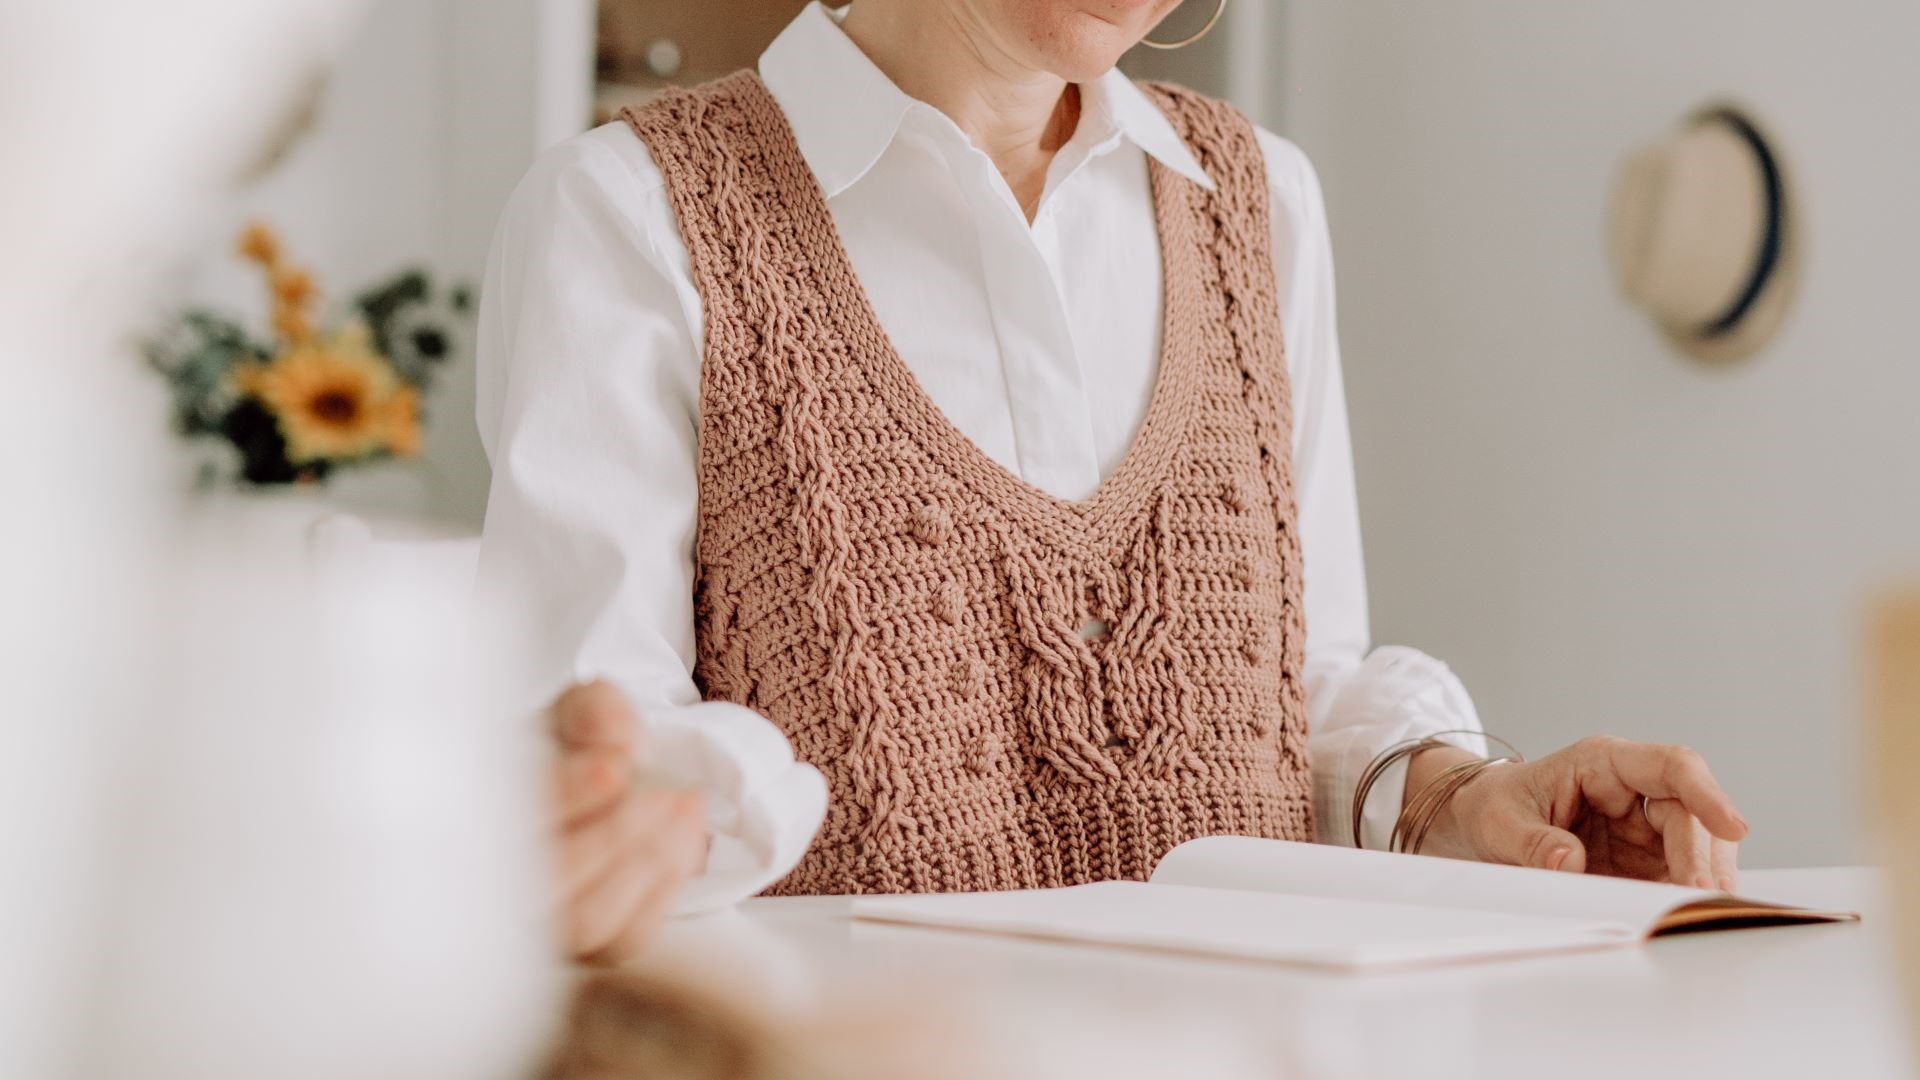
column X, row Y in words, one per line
column 1806, row 1002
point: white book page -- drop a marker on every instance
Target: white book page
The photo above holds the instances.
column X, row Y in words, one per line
column 1304, row 930
column 1335, row 873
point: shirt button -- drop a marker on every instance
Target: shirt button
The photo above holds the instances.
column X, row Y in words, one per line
column 1093, row 629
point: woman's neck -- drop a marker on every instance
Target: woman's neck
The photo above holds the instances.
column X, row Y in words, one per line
column 1018, row 117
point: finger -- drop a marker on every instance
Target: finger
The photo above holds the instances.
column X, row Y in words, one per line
column 682, row 856
column 655, row 907
column 588, row 850
column 1726, row 864
column 646, row 860
column 1688, row 845
column 597, row 916
column 613, row 920
column 1541, row 845
column 1635, row 827
column 593, row 714
column 1675, row 772
column 588, row 782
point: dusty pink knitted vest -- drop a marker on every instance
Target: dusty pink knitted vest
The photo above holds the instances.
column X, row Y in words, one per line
column 1004, row 689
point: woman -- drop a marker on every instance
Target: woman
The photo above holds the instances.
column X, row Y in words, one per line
column 975, row 415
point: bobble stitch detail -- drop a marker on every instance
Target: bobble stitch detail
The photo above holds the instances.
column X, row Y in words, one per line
column 948, row 601
column 1254, row 647
column 983, row 757
column 1243, row 572
column 930, row 525
column 967, row 678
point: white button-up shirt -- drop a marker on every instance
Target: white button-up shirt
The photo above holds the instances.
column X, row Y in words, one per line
column 1039, row 340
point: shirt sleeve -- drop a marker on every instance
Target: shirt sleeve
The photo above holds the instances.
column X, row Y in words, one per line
column 588, row 394
column 1360, row 700
column 587, row 398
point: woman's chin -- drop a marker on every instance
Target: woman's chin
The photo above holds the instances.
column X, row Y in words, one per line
column 1075, row 44
column 1085, row 71
column 1086, row 55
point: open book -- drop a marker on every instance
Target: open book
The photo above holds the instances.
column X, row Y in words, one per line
column 1339, row 908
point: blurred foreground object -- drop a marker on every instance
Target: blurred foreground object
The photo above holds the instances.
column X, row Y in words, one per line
column 643, row 1027
column 330, row 858
column 1707, row 235
column 676, row 1024
column 1894, row 749
column 134, row 747
column 306, row 400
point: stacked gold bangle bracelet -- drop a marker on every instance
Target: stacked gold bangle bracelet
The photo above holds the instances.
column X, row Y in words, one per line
column 1418, row 814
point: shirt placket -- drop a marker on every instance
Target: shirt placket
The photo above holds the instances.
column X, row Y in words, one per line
column 1048, row 405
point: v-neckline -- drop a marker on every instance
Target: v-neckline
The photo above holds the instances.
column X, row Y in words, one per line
column 1116, row 503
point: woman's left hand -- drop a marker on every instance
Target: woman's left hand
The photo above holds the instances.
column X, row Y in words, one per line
column 1582, row 809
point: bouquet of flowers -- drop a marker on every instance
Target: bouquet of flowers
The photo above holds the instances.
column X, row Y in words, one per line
column 304, row 401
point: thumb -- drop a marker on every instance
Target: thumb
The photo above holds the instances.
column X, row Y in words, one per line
column 1544, row 847
column 594, row 714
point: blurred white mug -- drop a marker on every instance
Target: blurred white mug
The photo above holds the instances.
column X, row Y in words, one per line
column 330, row 858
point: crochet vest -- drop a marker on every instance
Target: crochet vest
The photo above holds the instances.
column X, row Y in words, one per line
column 1004, row 689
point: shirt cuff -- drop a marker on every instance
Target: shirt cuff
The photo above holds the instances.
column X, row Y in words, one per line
column 762, row 807
column 1394, row 695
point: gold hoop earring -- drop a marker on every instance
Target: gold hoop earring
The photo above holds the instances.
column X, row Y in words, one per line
column 1218, row 10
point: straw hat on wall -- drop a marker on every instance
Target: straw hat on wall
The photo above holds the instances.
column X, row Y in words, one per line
column 1706, row 235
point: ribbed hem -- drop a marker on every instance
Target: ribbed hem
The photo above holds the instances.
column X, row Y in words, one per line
column 1096, row 833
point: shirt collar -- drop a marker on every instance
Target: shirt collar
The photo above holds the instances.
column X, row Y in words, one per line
column 845, row 112
column 1117, row 101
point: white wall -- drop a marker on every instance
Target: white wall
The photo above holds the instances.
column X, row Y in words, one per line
column 518, row 78
column 1598, row 535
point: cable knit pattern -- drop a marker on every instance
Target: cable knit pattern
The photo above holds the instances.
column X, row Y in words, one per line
column 1004, row 689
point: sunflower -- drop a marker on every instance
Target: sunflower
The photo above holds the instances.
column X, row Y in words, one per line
column 293, row 325
column 292, row 290
column 294, row 297
column 335, row 399
column 402, row 417
column 258, row 243
column 293, row 287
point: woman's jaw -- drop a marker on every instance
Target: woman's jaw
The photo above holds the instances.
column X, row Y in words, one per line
column 1073, row 40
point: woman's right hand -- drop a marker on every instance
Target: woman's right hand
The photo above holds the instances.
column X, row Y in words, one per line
column 624, row 853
